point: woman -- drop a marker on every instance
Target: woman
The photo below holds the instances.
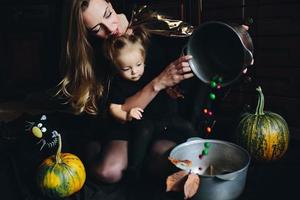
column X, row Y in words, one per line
column 91, row 21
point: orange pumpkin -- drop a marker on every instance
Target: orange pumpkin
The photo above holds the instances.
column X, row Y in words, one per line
column 264, row 134
column 61, row 175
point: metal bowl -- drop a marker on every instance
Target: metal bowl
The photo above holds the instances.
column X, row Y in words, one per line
column 220, row 51
column 222, row 171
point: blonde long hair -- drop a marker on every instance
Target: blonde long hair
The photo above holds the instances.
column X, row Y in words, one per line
column 79, row 85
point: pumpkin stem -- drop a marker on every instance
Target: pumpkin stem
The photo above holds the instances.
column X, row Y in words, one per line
column 258, row 104
column 261, row 102
column 58, row 158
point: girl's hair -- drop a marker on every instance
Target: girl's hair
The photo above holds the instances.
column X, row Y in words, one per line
column 79, row 84
column 114, row 44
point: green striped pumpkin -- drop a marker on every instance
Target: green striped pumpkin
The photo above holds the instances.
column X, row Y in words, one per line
column 264, row 134
column 61, row 175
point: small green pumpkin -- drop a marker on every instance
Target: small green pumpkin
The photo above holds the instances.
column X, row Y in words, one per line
column 264, row 134
column 61, row 175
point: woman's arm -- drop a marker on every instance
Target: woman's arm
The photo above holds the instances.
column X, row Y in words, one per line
column 173, row 74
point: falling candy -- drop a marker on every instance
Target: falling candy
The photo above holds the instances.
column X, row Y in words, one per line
column 213, row 84
column 208, row 129
column 206, row 145
column 205, row 150
column 212, row 96
column 200, row 156
column 220, row 79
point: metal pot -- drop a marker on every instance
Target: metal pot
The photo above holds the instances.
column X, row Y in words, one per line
column 222, row 171
column 220, row 52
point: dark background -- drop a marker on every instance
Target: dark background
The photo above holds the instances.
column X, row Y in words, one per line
column 30, row 40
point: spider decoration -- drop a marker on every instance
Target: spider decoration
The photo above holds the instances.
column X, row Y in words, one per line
column 40, row 129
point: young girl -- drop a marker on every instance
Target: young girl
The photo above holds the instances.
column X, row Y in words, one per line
column 160, row 119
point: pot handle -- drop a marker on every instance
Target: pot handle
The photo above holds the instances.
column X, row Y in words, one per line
column 227, row 177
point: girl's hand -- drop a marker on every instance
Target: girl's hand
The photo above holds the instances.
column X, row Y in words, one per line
column 135, row 113
column 174, row 73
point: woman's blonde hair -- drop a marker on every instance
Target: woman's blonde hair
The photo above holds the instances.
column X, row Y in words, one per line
column 79, row 85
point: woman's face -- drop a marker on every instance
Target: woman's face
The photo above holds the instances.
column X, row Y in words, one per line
column 101, row 19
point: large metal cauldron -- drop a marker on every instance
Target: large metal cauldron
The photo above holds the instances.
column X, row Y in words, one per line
column 222, row 172
column 219, row 50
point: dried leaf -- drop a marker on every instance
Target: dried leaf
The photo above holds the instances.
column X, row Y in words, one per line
column 186, row 163
column 191, row 185
column 175, row 182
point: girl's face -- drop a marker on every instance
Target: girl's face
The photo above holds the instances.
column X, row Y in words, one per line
column 101, row 19
column 131, row 63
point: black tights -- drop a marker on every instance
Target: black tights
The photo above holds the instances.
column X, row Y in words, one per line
column 142, row 137
column 145, row 132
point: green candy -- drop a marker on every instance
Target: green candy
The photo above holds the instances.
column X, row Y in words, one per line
column 212, row 96
column 205, row 152
column 213, row 84
column 206, row 144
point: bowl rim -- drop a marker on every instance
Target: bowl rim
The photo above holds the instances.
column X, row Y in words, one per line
column 200, row 140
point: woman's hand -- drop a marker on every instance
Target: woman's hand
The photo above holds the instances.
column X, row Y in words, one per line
column 245, row 27
column 174, row 73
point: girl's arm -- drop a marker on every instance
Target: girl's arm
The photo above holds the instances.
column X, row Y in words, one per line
column 117, row 112
column 173, row 74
